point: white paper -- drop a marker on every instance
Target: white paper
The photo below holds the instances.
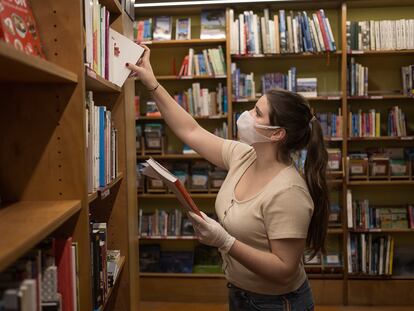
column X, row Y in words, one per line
column 121, row 51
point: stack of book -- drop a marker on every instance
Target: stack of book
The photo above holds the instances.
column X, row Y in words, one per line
column 396, row 122
column 407, row 79
column 202, row 102
column 276, row 80
column 102, row 145
column 164, row 223
column 105, row 264
column 44, row 279
column 380, row 35
column 243, row 85
column 357, row 79
column 280, row 33
column 331, row 123
column 370, row 254
column 365, row 124
column 210, row 62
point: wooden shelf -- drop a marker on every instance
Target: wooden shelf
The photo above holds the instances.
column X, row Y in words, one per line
column 17, row 66
column 105, row 191
column 181, row 275
column 171, row 196
column 113, row 6
column 381, row 230
column 188, row 156
column 116, row 282
column 382, row 52
column 383, row 138
column 330, row 276
column 26, row 223
column 176, row 43
column 380, row 96
column 174, row 78
column 218, row 117
column 96, row 83
column 92, row 197
column 379, row 277
column 335, row 231
column 380, row 182
column 322, row 97
column 162, row 238
column 285, row 55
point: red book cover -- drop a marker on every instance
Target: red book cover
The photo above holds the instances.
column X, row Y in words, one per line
column 323, row 30
column 63, row 257
column 18, row 26
column 140, row 31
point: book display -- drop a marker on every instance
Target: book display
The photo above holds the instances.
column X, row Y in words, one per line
column 359, row 87
column 68, row 212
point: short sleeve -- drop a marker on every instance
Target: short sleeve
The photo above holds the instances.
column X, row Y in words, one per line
column 288, row 213
column 233, row 151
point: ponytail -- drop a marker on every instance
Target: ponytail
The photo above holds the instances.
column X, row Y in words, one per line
column 315, row 175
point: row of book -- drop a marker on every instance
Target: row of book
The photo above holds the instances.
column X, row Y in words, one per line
column 370, row 254
column 201, row 102
column 204, row 259
column 282, row 33
column 334, row 160
column 366, row 216
column 213, row 26
column 407, row 78
column 331, row 123
column 101, row 145
column 105, row 264
column 210, row 62
column 197, row 176
column 162, row 223
column 357, row 79
column 372, row 35
column 43, row 279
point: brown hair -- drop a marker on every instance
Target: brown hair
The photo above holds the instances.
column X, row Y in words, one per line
column 292, row 112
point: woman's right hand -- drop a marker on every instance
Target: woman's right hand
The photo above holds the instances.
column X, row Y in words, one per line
column 143, row 70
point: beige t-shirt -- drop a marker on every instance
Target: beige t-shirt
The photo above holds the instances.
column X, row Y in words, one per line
column 282, row 209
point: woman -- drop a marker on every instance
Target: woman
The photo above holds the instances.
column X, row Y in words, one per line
column 268, row 212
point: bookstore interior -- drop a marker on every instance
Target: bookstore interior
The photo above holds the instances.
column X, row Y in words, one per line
column 94, row 185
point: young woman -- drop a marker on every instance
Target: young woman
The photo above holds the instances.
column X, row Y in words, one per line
column 268, row 213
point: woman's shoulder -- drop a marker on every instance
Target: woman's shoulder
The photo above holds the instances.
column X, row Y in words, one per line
column 234, row 151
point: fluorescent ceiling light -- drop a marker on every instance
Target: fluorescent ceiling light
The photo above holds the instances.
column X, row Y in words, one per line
column 201, row 2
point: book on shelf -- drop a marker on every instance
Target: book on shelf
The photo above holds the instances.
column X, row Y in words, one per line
column 183, row 28
column 407, row 78
column 213, row 24
column 331, row 123
column 202, row 102
column 243, row 85
column 307, row 87
column 284, row 32
column 396, row 122
column 101, row 145
column 380, row 35
column 365, row 124
column 18, row 27
column 155, row 170
column 162, row 28
column 357, row 79
column 143, row 30
column 210, row 62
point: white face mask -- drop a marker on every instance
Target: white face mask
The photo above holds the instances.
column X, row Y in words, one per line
column 246, row 127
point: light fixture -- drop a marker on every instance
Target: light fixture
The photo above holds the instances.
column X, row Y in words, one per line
column 200, row 2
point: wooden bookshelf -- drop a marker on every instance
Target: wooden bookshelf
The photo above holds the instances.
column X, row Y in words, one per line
column 181, row 275
column 172, row 196
column 218, row 117
column 390, row 230
column 43, row 167
column 170, row 156
column 103, row 192
column 183, row 43
column 115, row 286
column 17, row 66
column 26, row 223
column 179, row 78
column 331, row 71
column 381, row 52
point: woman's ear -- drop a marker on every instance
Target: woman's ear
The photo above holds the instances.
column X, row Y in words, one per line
column 278, row 135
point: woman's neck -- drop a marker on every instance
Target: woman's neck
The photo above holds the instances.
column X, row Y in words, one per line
column 266, row 157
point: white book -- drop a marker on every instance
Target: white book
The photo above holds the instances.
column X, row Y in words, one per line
column 319, row 32
column 257, row 49
column 364, row 254
column 349, row 208
column 295, row 35
column 289, row 34
column 237, row 36
column 315, row 35
column 348, row 246
column 122, row 50
column 264, row 35
column 74, row 257
column 242, row 35
column 232, row 35
column 88, row 32
column 372, row 35
column 190, row 70
column 272, row 47
column 377, row 36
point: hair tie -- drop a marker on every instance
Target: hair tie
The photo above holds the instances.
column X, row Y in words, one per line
column 311, row 120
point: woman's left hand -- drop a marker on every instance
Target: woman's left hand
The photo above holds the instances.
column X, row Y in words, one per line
column 210, row 232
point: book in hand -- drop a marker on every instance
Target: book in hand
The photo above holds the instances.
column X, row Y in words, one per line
column 155, row 170
column 122, row 50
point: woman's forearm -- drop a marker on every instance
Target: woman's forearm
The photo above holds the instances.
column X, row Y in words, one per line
column 181, row 122
column 266, row 264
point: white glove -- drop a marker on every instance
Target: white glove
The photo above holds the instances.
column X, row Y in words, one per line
column 210, row 232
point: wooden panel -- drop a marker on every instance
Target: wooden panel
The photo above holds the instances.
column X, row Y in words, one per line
column 30, row 222
column 327, row 292
column 19, row 67
column 183, row 289
column 386, row 292
column 96, row 83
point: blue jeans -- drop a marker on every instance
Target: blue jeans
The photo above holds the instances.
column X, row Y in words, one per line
column 297, row 300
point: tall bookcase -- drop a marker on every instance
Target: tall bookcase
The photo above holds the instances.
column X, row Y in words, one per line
column 331, row 71
column 43, row 164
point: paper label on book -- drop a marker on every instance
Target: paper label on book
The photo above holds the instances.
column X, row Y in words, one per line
column 379, row 169
column 333, row 164
column 333, row 97
column 357, row 52
column 105, row 193
column 376, row 97
column 199, row 180
column 157, row 183
column 357, row 169
column 407, row 137
column 332, row 259
column 154, row 143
